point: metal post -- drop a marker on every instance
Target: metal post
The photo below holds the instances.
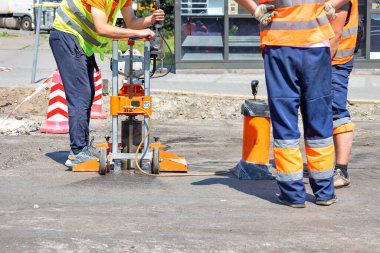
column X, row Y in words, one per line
column 115, row 61
column 146, row 90
column 36, row 42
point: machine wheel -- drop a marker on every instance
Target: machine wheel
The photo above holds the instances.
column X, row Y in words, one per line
column 26, row 23
column 155, row 164
column 103, row 161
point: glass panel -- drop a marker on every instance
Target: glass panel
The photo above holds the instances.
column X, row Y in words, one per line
column 362, row 17
column 235, row 9
column 202, row 7
column 244, row 39
column 375, row 37
column 202, row 38
column 376, row 4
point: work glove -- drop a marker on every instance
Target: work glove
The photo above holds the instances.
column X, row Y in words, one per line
column 330, row 10
column 264, row 13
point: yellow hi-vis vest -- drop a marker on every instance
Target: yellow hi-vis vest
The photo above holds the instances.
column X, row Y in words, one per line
column 72, row 17
column 297, row 23
column 347, row 43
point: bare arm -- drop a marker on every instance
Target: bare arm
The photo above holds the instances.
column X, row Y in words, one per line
column 337, row 24
column 134, row 22
column 106, row 30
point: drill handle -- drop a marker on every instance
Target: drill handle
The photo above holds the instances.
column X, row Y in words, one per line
column 157, row 5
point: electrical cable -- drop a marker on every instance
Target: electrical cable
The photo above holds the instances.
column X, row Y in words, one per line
column 171, row 56
column 140, row 170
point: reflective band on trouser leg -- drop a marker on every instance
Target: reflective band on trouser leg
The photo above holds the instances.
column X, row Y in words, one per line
column 289, row 167
column 320, row 162
column 349, row 127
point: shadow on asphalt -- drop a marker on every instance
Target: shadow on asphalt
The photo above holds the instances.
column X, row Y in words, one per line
column 263, row 189
column 58, row 156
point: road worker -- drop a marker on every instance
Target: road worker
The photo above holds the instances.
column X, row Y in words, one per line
column 295, row 41
column 82, row 28
column 343, row 45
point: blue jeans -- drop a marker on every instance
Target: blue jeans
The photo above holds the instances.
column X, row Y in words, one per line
column 77, row 73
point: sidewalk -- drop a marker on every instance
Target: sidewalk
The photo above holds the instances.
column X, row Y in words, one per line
column 17, row 53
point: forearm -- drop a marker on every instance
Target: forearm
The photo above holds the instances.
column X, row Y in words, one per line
column 337, row 25
column 139, row 23
column 115, row 32
column 334, row 43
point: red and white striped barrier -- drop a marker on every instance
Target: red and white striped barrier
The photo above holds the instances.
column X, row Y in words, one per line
column 4, row 69
column 96, row 109
column 57, row 121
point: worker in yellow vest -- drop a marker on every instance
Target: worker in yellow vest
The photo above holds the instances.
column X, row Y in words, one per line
column 295, row 37
column 343, row 46
column 82, row 28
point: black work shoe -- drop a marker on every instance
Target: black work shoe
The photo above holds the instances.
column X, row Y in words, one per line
column 287, row 203
column 328, row 202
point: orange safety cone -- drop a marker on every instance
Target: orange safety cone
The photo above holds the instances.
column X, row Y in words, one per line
column 256, row 142
column 57, row 121
column 96, row 109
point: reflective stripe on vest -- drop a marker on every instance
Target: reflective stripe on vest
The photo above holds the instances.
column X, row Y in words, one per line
column 80, row 15
column 73, row 17
column 297, row 23
column 289, row 3
column 77, row 28
column 347, row 43
column 344, row 53
column 350, row 32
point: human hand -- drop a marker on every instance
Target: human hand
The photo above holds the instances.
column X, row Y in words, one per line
column 158, row 15
column 264, row 13
column 330, row 10
column 147, row 33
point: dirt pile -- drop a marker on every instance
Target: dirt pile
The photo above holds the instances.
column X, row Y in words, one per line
column 28, row 118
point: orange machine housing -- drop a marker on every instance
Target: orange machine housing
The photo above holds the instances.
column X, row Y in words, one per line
column 256, row 139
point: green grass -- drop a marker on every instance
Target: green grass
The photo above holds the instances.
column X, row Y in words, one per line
column 123, row 46
column 5, row 34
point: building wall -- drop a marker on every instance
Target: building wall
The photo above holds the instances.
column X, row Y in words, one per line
column 221, row 34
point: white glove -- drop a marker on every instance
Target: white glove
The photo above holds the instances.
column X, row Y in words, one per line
column 330, row 10
column 264, row 13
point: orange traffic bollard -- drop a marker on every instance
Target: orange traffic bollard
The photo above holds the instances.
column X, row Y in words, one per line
column 256, row 142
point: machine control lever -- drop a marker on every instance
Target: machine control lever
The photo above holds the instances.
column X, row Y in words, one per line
column 254, row 87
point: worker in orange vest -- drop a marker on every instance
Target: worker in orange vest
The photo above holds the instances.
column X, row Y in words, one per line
column 295, row 41
column 342, row 49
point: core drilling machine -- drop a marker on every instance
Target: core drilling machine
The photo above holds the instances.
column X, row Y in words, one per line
column 132, row 103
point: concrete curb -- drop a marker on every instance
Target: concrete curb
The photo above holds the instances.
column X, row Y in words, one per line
column 203, row 94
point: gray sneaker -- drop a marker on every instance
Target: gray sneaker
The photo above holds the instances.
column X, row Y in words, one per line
column 340, row 180
column 287, row 203
column 328, row 202
column 92, row 148
column 83, row 156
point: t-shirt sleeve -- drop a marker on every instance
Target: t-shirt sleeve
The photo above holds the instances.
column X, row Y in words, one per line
column 128, row 3
column 98, row 4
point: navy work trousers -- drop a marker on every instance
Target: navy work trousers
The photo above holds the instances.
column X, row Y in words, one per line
column 77, row 73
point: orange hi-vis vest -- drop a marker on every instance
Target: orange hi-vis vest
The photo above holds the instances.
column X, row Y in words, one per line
column 297, row 23
column 347, row 42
